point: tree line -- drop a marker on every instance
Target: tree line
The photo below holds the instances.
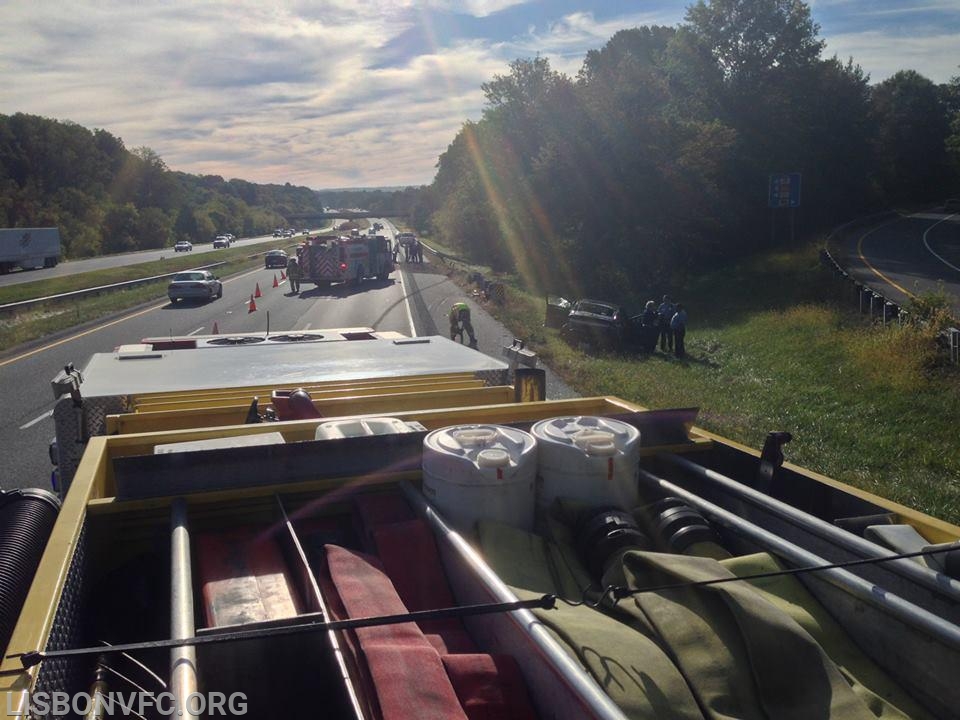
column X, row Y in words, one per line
column 108, row 199
column 654, row 160
column 651, row 163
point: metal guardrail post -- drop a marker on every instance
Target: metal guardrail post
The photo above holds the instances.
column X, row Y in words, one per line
column 889, row 311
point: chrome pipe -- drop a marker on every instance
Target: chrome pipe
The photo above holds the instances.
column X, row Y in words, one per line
column 928, row 578
column 183, row 659
column 896, row 607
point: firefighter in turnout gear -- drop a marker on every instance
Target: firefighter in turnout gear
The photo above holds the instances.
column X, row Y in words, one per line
column 293, row 274
column 460, row 323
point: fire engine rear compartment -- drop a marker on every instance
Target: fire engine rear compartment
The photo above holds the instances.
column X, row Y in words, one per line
column 259, row 563
column 247, row 572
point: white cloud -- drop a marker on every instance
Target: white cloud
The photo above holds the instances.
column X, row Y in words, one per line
column 883, row 54
column 566, row 42
column 300, row 91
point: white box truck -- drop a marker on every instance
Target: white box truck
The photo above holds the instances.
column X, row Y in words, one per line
column 29, row 248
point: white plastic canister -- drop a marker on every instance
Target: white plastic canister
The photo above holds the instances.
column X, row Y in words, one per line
column 473, row 472
column 592, row 459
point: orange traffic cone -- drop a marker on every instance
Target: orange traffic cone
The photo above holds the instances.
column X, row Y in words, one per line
column 216, row 330
column 257, row 293
column 275, row 283
column 252, row 307
column 283, row 276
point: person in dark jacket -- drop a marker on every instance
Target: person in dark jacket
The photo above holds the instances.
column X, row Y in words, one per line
column 678, row 326
column 648, row 327
column 664, row 315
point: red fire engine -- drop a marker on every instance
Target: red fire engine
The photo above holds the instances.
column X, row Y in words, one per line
column 326, row 259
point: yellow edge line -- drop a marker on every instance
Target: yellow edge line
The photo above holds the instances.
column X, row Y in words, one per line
column 101, row 327
column 874, row 270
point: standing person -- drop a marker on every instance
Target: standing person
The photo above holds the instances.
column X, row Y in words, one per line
column 664, row 315
column 678, row 325
column 396, row 249
column 460, row 322
column 648, row 327
column 293, row 274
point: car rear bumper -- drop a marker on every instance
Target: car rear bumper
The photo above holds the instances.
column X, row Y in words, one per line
column 192, row 294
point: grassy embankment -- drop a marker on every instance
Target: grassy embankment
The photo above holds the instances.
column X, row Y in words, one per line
column 55, row 316
column 776, row 343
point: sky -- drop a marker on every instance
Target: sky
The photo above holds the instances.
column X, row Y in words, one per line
column 353, row 93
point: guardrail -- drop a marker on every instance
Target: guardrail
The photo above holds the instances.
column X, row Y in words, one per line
column 870, row 299
column 873, row 302
column 14, row 307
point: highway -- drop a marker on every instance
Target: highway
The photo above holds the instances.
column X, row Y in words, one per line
column 907, row 256
column 75, row 267
column 413, row 301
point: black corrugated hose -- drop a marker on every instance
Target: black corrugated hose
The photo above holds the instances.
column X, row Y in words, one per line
column 26, row 521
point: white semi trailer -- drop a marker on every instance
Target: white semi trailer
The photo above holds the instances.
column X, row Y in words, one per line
column 29, row 248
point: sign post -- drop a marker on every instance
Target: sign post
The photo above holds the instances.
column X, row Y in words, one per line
column 784, row 192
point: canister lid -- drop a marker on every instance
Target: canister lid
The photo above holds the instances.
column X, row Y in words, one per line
column 595, row 442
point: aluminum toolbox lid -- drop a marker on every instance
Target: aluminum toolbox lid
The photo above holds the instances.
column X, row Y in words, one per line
column 249, row 365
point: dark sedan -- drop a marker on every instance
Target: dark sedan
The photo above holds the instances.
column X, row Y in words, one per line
column 275, row 258
column 597, row 323
column 195, row 284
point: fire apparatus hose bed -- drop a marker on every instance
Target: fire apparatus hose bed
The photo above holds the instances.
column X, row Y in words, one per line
column 730, row 650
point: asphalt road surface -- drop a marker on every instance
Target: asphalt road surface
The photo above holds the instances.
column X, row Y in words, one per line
column 413, row 301
column 908, row 256
column 75, row 267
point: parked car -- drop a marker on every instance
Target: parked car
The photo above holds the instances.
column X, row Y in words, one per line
column 201, row 284
column 183, row 246
column 275, row 258
column 221, row 241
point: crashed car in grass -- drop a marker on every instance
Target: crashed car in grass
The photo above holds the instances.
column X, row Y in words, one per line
column 597, row 323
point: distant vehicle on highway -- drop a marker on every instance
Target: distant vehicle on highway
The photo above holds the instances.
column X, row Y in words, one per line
column 221, row 241
column 275, row 258
column 195, row 284
column 183, row 246
column 29, row 248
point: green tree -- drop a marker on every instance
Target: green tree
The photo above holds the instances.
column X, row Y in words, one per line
column 913, row 127
column 120, row 229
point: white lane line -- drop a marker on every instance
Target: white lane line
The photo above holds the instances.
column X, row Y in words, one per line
column 307, row 326
column 932, row 252
column 406, row 304
column 196, row 331
column 33, row 422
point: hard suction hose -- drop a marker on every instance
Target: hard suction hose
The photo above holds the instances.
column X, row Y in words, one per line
column 26, row 521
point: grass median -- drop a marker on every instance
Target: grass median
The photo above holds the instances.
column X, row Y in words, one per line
column 58, row 315
column 777, row 343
